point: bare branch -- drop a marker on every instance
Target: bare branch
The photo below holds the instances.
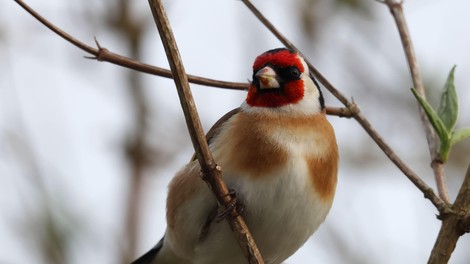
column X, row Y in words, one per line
column 212, row 173
column 446, row 241
column 102, row 54
column 439, row 176
column 346, row 112
column 454, row 225
column 396, row 8
column 57, row 30
column 413, row 177
column 289, row 44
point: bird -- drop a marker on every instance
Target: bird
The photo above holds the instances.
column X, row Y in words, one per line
column 279, row 155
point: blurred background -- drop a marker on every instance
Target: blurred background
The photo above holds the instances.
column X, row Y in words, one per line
column 87, row 148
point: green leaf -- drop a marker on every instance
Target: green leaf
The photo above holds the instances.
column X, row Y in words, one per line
column 435, row 120
column 449, row 105
column 460, row 135
column 444, row 149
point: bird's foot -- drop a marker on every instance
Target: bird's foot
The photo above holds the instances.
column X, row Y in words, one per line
column 235, row 207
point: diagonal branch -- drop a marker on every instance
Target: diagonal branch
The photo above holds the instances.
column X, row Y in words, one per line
column 103, row 54
column 212, row 173
column 351, row 110
column 322, row 79
column 396, row 8
column 360, row 118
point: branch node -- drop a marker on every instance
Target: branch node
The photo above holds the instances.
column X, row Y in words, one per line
column 352, row 108
column 445, row 214
column 102, row 52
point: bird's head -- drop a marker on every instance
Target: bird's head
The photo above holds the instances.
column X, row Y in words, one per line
column 282, row 81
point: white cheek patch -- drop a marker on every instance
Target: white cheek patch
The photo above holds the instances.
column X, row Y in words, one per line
column 306, row 69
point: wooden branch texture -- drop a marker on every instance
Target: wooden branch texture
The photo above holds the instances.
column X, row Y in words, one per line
column 212, row 173
column 454, row 225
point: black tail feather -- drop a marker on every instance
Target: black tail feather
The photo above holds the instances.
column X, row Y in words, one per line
column 149, row 257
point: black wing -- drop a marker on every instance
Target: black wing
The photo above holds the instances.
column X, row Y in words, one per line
column 214, row 131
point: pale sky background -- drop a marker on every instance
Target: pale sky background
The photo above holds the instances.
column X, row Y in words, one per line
column 74, row 114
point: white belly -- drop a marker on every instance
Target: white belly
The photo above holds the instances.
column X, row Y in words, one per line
column 280, row 211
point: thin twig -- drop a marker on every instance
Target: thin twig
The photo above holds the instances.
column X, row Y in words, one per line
column 289, row 44
column 396, row 8
column 346, row 112
column 103, row 54
column 453, row 225
column 212, row 173
column 439, row 176
column 413, row 177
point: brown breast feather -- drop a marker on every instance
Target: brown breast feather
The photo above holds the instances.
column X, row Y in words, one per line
column 254, row 152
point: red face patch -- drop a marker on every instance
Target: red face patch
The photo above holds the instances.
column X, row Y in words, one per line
column 290, row 93
column 283, row 58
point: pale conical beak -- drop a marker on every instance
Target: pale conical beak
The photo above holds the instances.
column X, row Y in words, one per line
column 267, row 78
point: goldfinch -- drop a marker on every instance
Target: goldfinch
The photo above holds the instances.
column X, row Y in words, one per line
column 278, row 152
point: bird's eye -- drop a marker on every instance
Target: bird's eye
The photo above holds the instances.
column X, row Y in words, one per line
column 294, row 72
column 291, row 73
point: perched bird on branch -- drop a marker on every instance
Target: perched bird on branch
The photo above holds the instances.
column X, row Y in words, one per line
column 278, row 153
